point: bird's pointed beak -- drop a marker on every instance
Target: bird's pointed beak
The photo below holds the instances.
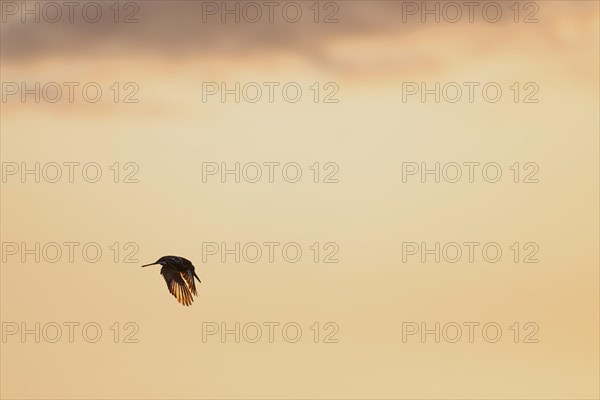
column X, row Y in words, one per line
column 147, row 265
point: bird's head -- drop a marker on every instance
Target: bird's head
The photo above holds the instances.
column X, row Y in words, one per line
column 161, row 261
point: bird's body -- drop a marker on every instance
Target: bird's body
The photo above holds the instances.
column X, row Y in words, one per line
column 179, row 274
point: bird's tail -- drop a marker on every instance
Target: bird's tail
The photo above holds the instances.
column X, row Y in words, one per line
column 196, row 276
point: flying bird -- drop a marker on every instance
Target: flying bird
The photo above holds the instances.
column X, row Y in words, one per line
column 179, row 274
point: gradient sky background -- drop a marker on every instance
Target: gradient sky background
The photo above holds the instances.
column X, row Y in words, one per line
column 369, row 53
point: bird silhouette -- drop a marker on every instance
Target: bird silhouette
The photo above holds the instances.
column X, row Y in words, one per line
column 179, row 274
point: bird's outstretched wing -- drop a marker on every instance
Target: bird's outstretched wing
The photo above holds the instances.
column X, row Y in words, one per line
column 177, row 285
column 188, row 275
